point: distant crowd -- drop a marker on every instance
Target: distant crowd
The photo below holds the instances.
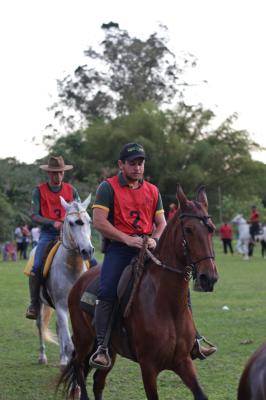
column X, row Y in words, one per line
column 24, row 237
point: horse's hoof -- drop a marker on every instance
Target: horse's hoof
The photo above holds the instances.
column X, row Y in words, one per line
column 62, row 366
column 75, row 393
column 43, row 360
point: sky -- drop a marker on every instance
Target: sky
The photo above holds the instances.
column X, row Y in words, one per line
column 43, row 40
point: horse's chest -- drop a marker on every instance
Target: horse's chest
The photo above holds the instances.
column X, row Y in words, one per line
column 74, row 263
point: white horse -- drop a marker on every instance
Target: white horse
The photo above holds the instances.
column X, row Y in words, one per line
column 244, row 237
column 67, row 266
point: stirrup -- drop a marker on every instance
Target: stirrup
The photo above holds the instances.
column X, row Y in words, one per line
column 204, row 340
column 103, row 351
column 195, row 352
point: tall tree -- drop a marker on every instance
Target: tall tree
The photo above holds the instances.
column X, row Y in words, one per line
column 123, row 73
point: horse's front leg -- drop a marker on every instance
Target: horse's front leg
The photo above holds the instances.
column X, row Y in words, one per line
column 149, row 377
column 187, row 373
column 66, row 345
column 39, row 323
column 99, row 379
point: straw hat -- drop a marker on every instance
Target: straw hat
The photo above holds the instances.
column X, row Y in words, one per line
column 56, row 164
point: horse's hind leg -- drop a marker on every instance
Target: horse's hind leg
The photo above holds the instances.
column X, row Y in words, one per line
column 99, row 378
column 39, row 323
column 187, row 373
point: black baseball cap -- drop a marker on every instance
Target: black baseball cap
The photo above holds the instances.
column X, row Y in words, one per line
column 131, row 151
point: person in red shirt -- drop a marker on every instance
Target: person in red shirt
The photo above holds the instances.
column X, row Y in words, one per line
column 254, row 220
column 226, row 235
column 172, row 211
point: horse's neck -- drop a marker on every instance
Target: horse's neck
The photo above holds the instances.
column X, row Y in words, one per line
column 170, row 250
column 170, row 253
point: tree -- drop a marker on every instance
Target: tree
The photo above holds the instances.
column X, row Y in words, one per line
column 182, row 146
column 7, row 219
column 125, row 73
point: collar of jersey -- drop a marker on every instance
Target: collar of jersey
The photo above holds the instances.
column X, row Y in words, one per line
column 123, row 182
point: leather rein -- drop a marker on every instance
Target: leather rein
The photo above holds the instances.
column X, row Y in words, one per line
column 190, row 270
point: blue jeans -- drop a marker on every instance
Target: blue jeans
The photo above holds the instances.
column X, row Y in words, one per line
column 117, row 258
column 45, row 238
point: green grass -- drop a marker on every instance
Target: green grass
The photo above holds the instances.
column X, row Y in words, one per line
column 237, row 333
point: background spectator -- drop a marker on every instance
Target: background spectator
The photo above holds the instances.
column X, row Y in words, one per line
column 19, row 241
column 9, row 251
column 25, row 240
column 172, row 210
column 226, row 235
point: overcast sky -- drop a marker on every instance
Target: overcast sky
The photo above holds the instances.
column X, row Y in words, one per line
column 43, row 40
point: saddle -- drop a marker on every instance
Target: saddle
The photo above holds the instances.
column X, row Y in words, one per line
column 125, row 293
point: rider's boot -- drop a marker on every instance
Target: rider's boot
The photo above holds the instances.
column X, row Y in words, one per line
column 103, row 314
column 199, row 351
column 34, row 286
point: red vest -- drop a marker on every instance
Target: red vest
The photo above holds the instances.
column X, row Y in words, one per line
column 226, row 232
column 50, row 203
column 254, row 216
column 134, row 209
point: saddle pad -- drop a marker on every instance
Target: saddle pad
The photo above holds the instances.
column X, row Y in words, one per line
column 49, row 259
column 28, row 266
column 88, row 299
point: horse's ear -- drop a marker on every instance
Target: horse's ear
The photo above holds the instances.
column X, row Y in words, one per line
column 85, row 203
column 202, row 197
column 64, row 203
column 181, row 197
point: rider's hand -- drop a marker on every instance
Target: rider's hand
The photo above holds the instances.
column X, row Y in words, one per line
column 151, row 243
column 134, row 241
column 58, row 225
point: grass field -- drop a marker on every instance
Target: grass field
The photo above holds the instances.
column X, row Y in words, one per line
column 237, row 332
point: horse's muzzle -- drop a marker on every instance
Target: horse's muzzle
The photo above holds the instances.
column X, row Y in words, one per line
column 205, row 283
column 87, row 254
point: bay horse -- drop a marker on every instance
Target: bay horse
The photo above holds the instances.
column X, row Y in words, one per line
column 160, row 326
column 252, row 384
column 66, row 267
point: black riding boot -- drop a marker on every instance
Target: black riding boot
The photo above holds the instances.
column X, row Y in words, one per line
column 103, row 314
column 34, row 286
column 199, row 351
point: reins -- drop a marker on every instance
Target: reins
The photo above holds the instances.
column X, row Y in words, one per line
column 190, row 270
column 187, row 271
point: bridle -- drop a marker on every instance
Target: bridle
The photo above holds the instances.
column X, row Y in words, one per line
column 190, row 270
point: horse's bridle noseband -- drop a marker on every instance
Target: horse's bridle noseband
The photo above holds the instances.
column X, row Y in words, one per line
column 190, row 270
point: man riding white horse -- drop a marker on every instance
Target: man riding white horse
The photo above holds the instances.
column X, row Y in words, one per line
column 48, row 212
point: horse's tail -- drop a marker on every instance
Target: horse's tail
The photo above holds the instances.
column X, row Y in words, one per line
column 48, row 335
column 68, row 380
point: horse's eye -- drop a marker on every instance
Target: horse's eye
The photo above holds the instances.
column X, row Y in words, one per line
column 71, row 223
column 188, row 230
column 79, row 222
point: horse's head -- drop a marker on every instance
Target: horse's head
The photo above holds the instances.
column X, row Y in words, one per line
column 197, row 239
column 77, row 227
column 238, row 219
